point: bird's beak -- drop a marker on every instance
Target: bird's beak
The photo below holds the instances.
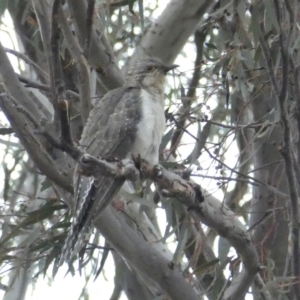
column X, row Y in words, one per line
column 169, row 68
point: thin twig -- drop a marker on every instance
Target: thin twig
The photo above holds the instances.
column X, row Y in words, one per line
column 24, row 57
column 199, row 39
column 269, row 187
column 44, row 87
column 268, row 60
column 58, row 81
column 89, row 24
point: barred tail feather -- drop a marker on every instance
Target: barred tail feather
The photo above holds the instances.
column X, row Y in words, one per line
column 83, row 204
column 99, row 195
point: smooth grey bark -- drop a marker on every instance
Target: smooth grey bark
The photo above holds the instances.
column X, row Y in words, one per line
column 271, row 234
column 180, row 18
column 130, row 282
column 143, row 257
column 26, row 33
column 100, row 57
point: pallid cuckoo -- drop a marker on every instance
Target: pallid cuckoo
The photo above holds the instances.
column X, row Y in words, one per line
column 127, row 121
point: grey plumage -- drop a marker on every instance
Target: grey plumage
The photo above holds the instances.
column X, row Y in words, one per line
column 128, row 120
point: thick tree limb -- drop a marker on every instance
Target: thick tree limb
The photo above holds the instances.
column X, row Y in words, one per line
column 13, row 85
column 143, row 257
column 130, row 281
column 213, row 214
column 29, row 140
column 20, row 124
column 100, row 57
column 181, row 18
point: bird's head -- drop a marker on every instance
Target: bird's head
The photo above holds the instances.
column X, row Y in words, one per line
column 149, row 73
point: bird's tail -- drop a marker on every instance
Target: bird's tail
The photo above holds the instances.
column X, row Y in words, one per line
column 81, row 220
column 92, row 197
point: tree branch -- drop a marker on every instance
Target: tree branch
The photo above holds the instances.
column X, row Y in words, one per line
column 44, row 87
column 81, row 66
column 13, row 85
column 143, row 257
column 180, row 19
column 89, row 26
column 30, row 142
column 100, row 57
column 37, row 68
column 43, row 13
column 286, row 149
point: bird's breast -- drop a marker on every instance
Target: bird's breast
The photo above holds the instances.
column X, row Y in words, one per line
column 151, row 126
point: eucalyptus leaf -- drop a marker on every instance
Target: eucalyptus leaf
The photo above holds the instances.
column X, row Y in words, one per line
column 223, row 249
column 104, row 257
column 270, row 14
column 210, row 45
column 33, row 217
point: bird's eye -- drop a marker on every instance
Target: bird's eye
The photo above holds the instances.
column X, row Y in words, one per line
column 150, row 68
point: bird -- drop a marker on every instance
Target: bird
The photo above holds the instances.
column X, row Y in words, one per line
column 128, row 120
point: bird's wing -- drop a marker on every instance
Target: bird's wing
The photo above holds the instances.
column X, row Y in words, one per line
column 109, row 132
